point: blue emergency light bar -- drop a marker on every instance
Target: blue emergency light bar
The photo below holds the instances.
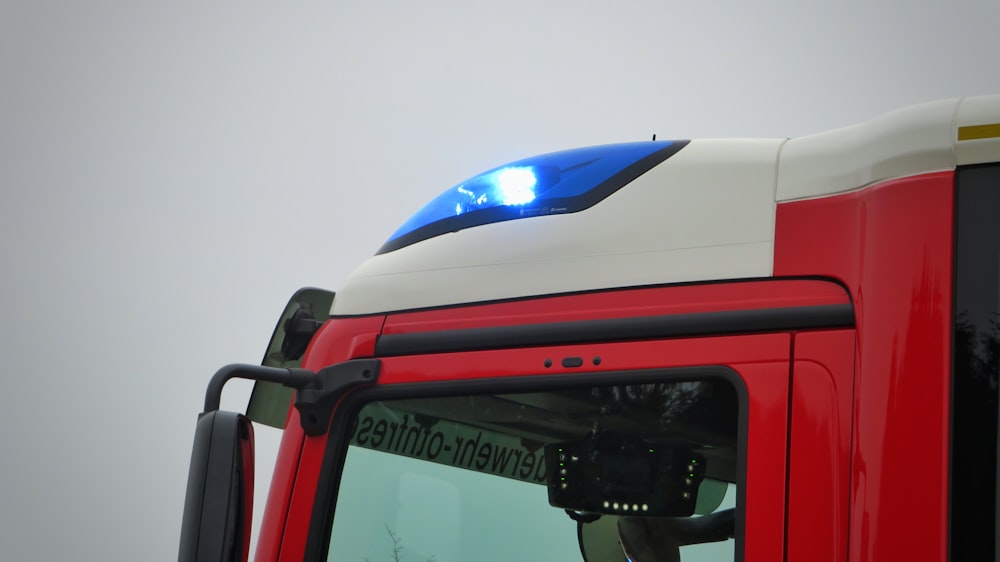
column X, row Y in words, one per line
column 554, row 183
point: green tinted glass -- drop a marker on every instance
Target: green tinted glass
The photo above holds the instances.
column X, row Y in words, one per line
column 528, row 476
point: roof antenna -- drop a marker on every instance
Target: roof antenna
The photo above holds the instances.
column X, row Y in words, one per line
column 654, row 136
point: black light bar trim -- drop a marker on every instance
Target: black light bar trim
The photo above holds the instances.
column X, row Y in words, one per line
column 618, row 329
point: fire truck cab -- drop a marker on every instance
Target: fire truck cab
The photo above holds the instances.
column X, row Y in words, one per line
column 699, row 350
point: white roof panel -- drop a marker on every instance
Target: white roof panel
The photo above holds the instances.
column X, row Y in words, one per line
column 707, row 212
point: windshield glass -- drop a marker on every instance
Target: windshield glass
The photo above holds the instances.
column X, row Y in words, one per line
column 641, row 472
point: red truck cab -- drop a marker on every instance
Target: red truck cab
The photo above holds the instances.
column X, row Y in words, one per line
column 676, row 350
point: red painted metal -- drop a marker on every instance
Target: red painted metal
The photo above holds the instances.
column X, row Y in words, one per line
column 300, row 500
column 341, row 339
column 820, row 446
column 682, row 299
column 891, row 244
column 767, row 385
column 336, row 341
column 247, row 458
column 761, row 360
column 866, row 473
column 282, row 480
column 614, row 357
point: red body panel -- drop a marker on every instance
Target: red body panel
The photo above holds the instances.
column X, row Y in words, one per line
column 863, row 473
column 820, row 445
column 335, row 342
column 892, row 246
column 684, row 299
column 762, row 360
column 272, row 525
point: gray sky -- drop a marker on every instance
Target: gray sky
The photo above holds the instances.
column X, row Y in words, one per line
column 170, row 172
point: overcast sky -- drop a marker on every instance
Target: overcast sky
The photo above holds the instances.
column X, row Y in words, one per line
column 171, row 171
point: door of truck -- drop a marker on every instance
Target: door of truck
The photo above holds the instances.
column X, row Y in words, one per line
column 452, row 454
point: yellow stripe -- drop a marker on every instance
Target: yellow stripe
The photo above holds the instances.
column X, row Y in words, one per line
column 973, row 132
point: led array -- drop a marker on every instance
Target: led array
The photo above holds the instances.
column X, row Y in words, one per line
column 626, row 507
column 562, row 468
column 628, row 480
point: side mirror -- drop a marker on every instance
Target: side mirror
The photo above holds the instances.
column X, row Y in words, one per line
column 305, row 313
column 219, row 500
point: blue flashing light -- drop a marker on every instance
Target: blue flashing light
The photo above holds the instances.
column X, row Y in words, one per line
column 506, row 186
column 559, row 182
column 516, row 185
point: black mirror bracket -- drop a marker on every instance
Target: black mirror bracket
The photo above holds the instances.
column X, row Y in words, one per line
column 316, row 401
column 299, row 330
column 317, row 393
column 294, row 378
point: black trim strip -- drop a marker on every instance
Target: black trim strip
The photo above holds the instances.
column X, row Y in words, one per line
column 321, row 523
column 618, row 329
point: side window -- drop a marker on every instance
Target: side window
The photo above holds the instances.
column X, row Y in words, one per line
column 976, row 367
column 643, row 471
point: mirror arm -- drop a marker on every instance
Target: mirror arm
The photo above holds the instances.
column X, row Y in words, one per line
column 294, row 378
column 317, row 393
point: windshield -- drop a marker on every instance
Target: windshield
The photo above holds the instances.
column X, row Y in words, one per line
column 641, row 472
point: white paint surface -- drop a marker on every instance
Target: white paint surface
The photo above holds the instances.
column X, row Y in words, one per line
column 707, row 212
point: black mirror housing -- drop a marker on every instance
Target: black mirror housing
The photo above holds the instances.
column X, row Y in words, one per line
column 218, row 505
